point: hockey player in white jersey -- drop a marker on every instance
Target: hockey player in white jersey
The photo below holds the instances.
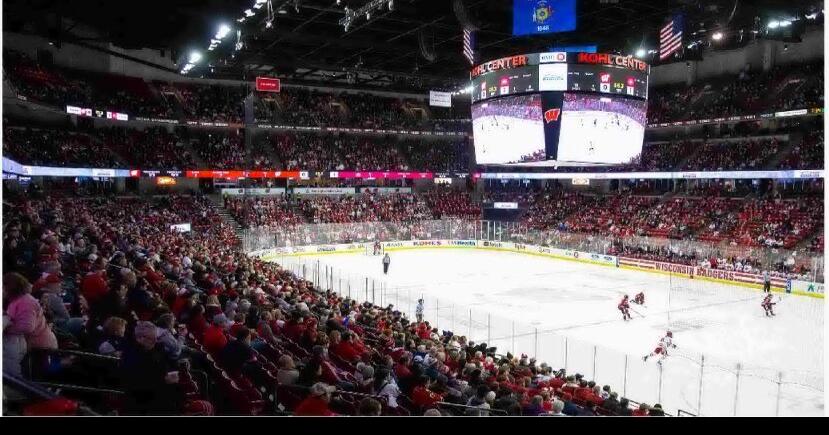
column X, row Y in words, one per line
column 665, row 343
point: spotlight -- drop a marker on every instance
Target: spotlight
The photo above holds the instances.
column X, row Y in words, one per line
column 640, row 52
column 224, row 29
column 195, row 56
column 368, row 16
column 774, row 24
column 717, row 36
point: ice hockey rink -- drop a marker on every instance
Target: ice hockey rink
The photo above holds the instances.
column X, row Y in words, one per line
column 502, row 139
column 591, row 136
column 730, row 358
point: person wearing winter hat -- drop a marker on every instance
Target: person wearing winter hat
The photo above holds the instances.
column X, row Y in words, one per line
column 54, row 307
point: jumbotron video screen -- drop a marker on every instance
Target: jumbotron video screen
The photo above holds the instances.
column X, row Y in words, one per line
column 509, row 130
column 588, row 128
column 599, row 129
column 559, row 109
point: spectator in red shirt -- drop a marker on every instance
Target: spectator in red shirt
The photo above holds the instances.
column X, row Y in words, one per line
column 214, row 337
column 402, row 372
column 295, row 328
column 152, row 277
column 330, row 373
column 595, row 396
column 642, row 411
column 582, row 390
column 345, row 348
column 197, row 324
column 94, row 285
column 316, row 404
column 422, row 397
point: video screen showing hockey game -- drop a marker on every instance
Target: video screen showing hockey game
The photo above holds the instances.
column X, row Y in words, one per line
column 509, row 130
column 601, row 129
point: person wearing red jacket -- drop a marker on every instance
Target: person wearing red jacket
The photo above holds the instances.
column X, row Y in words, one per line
column 330, row 373
column 345, row 349
column 215, row 338
column 556, row 383
column 295, row 328
column 423, row 331
column 316, row 404
column 94, row 285
column 422, row 397
column 403, row 373
column 197, row 324
column 642, row 411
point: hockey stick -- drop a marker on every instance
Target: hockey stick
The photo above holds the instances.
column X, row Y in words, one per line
column 638, row 313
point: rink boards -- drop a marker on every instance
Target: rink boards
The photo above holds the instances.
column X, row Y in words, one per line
column 750, row 280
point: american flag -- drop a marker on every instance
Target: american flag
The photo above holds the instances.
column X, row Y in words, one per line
column 670, row 37
column 469, row 45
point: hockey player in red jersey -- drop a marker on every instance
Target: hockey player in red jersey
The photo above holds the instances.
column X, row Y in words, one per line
column 768, row 305
column 662, row 347
column 639, row 298
column 624, row 307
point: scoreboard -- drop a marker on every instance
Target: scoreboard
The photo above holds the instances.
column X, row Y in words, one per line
column 559, row 108
column 560, row 71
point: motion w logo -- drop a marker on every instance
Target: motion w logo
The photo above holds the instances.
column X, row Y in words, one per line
column 552, row 115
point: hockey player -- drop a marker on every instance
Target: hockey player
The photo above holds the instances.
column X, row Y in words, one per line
column 624, row 307
column 662, row 347
column 639, row 298
column 768, row 305
column 378, row 248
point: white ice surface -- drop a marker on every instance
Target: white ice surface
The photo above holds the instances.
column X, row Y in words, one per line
column 502, row 139
column 565, row 313
column 604, row 142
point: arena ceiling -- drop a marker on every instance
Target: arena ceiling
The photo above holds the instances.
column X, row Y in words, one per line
column 416, row 45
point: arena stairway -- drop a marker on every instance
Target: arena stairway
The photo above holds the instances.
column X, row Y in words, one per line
column 786, row 149
column 218, row 204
